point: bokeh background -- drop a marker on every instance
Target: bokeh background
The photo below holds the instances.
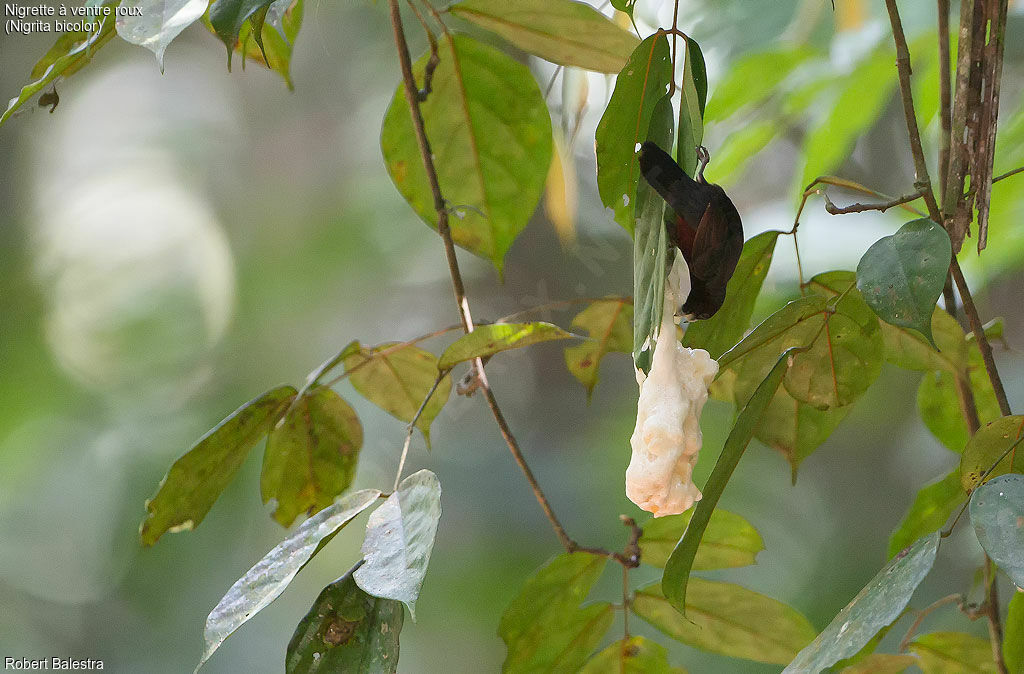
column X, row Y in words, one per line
column 173, row 244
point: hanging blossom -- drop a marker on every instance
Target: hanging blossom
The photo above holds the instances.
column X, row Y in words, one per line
column 667, row 437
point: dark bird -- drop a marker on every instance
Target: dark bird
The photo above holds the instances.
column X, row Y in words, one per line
column 703, row 224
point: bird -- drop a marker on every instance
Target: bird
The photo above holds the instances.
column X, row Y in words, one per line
column 703, row 224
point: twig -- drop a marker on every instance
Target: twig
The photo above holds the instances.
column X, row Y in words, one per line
column 435, row 58
column 412, row 425
column 626, row 601
column 860, row 208
column 922, row 182
column 995, row 628
column 980, row 337
column 945, row 98
column 1008, row 174
column 675, row 58
column 923, row 613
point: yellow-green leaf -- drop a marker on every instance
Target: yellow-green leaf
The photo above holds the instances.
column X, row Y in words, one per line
column 565, row 32
column 986, row 447
column 398, row 378
column 194, row 482
column 311, row 455
column 487, row 340
column 952, row 653
column 728, row 541
column 609, row 323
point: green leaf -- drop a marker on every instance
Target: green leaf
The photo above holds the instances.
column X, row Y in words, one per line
column 952, row 653
column 728, row 619
column 728, row 541
column 490, row 133
column 722, row 331
column 990, row 443
column 194, row 482
column 881, row 663
column 901, row 276
column 676, row 578
column 278, row 39
column 751, row 79
column 939, row 405
column 265, row 581
column 228, row 16
column 843, row 356
column 159, row 22
column 624, row 6
column 650, row 248
column 487, row 340
column 738, row 148
column 346, row 630
column 932, row 507
column 311, row 455
column 1013, row 634
column 399, row 538
column 398, row 379
column 691, row 109
column 544, row 627
column 861, row 101
column 910, row 350
column 69, row 54
column 609, row 323
column 875, row 607
column 997, row 512
column 636, row 655
column 639, row 87
column 796, row 429
column 565, row 32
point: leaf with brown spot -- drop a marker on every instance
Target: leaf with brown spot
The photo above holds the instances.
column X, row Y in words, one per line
column 609, row 323
column 311, row 455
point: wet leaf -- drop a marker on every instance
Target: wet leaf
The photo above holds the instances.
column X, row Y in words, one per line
column 346, row 630
column 265, row 581
column 932, row 508
column 399, row 538
column 397, row 379
column 990, row 443
column 69, row 54
column 722, row 331
column 997, row 512
column 565, row 32
column 676, row 578
column 875, row 607
column 728, row 541
column 194, row 482
column 639, row 87
column 311, row 455
column 952, row 653
column 636, row 655
column 490, row 132
column 728, row 619
column 649, row 250
column 901, row 276
column 487, row 340
column 609, row 323
column 159, row 22
column 544, row 627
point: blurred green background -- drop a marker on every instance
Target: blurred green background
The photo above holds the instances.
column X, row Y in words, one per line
column 174, row 244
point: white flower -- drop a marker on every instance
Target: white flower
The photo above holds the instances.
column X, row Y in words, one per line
column 667, row 437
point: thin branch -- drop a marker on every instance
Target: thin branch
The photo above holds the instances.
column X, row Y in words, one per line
column 412, row 425
column 675, row 57
column 979, row 335
column 991, row 608
column 626, row 601
column 945, row 98
column 860, row 208
column 922, row 181
column 924, row 613
column 1008, row 174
